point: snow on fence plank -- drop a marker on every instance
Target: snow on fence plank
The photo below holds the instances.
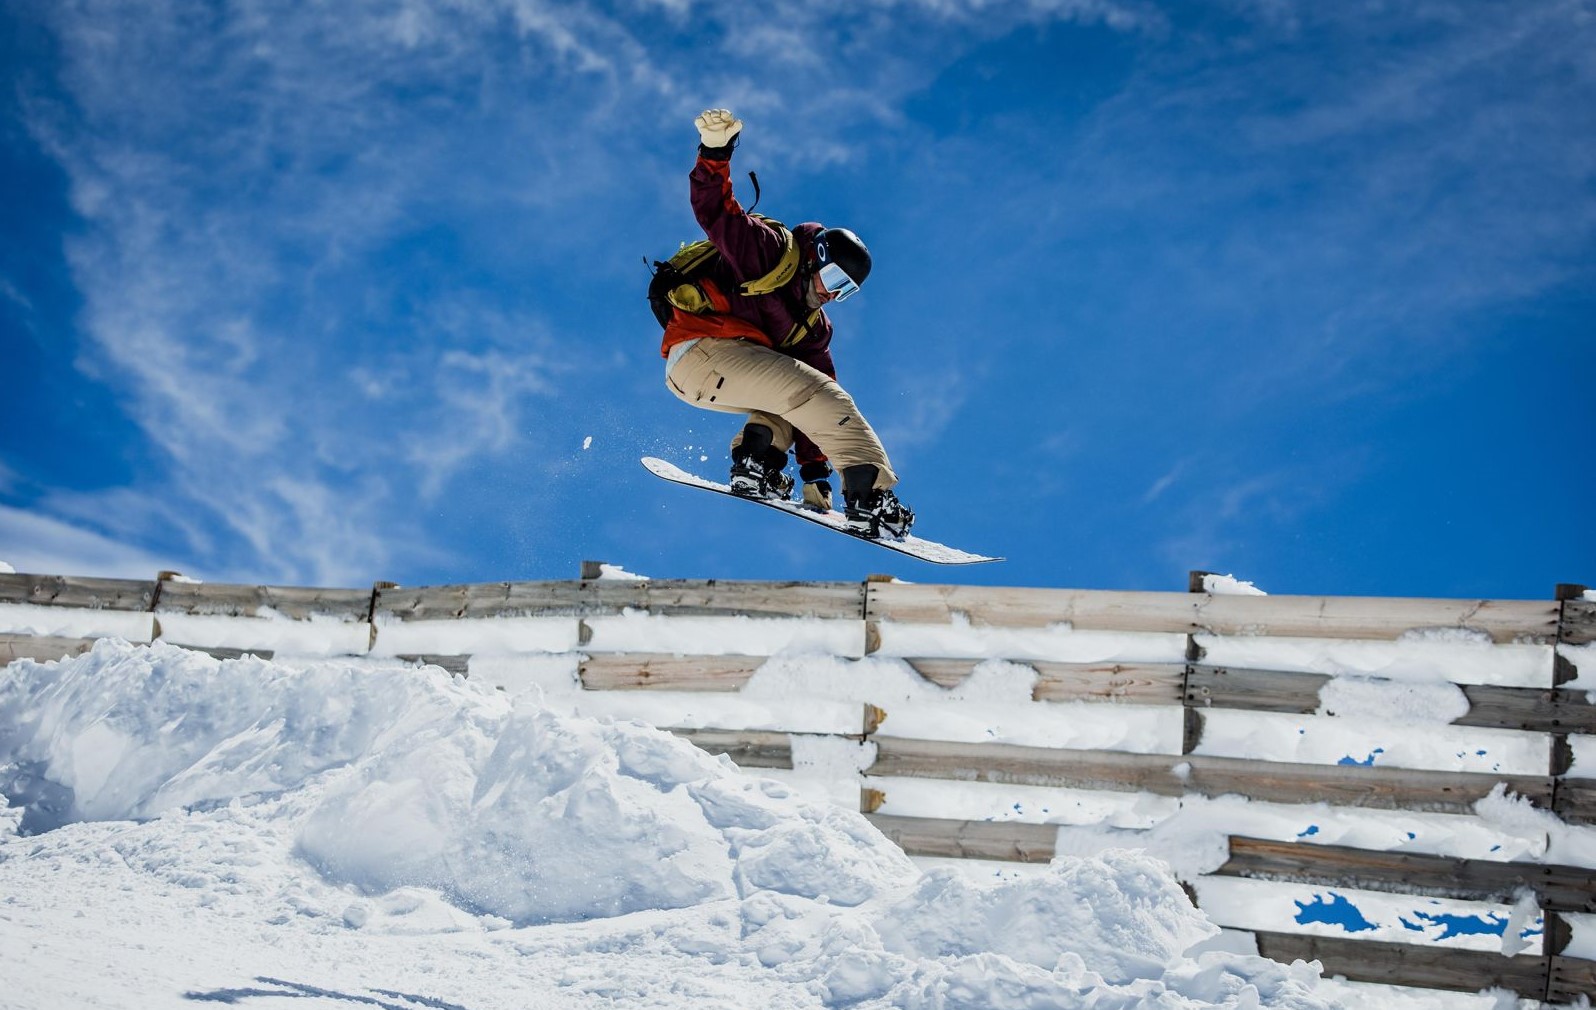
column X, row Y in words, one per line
column 1170, row 775
column 1557, row 888
column 1410, row 964
column 41, row 647
column 1351, row 617
column 74, row 591
column 229, row 619
column 1522, row 708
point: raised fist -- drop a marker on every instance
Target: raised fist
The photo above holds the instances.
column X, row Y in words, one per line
column 717, row 127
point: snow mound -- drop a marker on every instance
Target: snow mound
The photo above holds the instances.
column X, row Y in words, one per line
column 357, row 795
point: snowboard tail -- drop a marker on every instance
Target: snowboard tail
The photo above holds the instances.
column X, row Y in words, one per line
column 913, row 546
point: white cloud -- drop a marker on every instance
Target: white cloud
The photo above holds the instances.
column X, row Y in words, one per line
column 44, row 546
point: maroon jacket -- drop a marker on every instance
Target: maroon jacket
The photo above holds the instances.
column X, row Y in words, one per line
column 749, row 249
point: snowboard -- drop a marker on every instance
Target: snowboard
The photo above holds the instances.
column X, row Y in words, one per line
column 913, row 546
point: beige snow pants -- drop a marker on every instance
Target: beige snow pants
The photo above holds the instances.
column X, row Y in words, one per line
column 782, row 393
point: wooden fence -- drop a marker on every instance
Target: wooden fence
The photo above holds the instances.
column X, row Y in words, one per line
column 576, row 619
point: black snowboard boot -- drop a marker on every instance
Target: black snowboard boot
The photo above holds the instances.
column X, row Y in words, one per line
column 870, row 512
column 758, row 468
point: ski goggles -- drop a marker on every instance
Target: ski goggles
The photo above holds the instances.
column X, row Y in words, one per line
column 836, row 281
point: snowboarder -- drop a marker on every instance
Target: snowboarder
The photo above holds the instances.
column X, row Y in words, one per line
column 749, row 335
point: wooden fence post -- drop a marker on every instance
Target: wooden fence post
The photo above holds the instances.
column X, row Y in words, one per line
column 1557, row 932
column 1192, row 719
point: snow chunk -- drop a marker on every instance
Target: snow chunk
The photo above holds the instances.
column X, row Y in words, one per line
column 6, row 569
column 1229, row 585
column 1515, row 815
column 616, row 572
column 1122, row 912
column 1414, row 704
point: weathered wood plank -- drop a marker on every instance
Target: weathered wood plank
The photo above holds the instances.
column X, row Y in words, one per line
column 1200, row 613
column 1009, row 841
column 1578, row 626
column 1576, row 800
column 508, row 599
column 41, row 647
column 1559, row 888
column 224, row 652
column 1171, row 775
column 1372, row 617
column 229, row 600
column 1571, row 978
column 459, row 665
column 746, row 748
column 1126, row 683
column 641, row 671
column 715, row 598
column 1524, row 708
column 74, row 591
column 1003, row 607
column 1426, row 967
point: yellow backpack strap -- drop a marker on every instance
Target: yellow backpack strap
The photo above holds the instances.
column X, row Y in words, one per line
column 786, row 267
column 801, row 330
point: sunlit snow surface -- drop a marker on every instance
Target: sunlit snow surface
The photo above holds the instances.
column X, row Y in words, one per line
column 342, row 834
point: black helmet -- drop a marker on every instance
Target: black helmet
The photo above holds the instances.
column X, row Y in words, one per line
column 842, row 247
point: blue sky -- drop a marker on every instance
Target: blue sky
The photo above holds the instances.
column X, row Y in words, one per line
column 328, row 293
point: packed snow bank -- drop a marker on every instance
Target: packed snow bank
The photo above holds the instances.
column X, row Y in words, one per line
column 375, row 788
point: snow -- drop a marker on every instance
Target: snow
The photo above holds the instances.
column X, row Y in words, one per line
column 356, row 825
column 1229, row 585
column 6, row 569
column 358, row 831
column 75, row 622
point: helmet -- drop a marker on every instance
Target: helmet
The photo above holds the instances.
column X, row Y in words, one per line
column 842, row 247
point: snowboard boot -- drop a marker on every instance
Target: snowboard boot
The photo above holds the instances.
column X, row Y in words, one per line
column 758, row 468
column 870, row 512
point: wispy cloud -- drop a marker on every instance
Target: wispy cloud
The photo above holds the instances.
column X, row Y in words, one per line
column 262, row 185
column 30, row 542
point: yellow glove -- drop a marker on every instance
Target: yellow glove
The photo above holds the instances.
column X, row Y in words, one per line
column 817, row 495
column 717, row 127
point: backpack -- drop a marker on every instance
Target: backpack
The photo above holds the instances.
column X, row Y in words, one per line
column 675, row 283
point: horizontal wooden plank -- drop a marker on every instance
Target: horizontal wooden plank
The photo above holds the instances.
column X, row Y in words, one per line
column 1571, row 978
column 1354, row 617
column 75, row 591
column 1373, row 617
column 1423, row 967
column 746, row 748
column 234, row 600
column 1172, row 775
column 224, row 652
column 719, row 598
column 1009, row 841
column 1004, row 607
column 1524, row 708
column 1126, row 683
column 41, row 647
column 1578, row 625
column 508, row 599
column 644, row 671
column 1576, row 800
column 459, row 665
column 1558, row 888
